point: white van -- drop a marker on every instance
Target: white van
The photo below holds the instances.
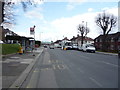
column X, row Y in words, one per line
column 67, row 45
column 75, row 46
column 88, row 48
column 1, row 42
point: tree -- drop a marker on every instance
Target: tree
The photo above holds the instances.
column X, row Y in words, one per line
column 83, row 31
column 8, row 14
column 106, row 22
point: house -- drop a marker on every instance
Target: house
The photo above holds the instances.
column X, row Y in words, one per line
column 112, row 41
column 27, row 43
column 78, row 39
column 7, row 32
column 10, row 37
column 63, row 41
column 57, row 43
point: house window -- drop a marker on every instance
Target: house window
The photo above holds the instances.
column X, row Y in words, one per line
column 112, row 47
column 96, row 40
column 100, row 40
column 101, row 45
column 118, row 39
column 112, row 40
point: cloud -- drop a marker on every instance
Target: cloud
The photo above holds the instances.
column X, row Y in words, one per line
column 34, row 14
column 113, row 11
column 72, row 4
column 70, row 7
column 68, row 26
column 90, row 9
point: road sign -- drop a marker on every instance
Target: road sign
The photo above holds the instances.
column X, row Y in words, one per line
column 32, row 31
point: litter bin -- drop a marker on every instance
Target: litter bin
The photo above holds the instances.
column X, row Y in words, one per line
column 20, row 50
column 65, row 49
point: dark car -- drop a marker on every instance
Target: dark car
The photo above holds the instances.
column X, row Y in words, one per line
column 45, row 46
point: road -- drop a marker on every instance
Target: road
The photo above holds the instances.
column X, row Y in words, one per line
column 58, row 68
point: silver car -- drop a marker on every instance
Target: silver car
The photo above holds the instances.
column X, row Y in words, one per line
column 51, row 47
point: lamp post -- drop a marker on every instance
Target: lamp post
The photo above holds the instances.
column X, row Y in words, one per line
column 40, row 36
column 34, row 40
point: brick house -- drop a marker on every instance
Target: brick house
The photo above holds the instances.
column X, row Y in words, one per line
column 63, row 41
column 112, row 41
column 58, row 43
column 77, row 40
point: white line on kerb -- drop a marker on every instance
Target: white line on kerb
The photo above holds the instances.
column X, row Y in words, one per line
column 96, row 82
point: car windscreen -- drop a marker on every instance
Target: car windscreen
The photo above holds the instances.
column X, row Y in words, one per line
column 90, row 45
column 68, row 44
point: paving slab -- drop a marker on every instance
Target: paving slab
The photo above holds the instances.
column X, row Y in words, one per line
column 14, row 65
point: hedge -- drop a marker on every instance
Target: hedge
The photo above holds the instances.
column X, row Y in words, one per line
column 10, row 48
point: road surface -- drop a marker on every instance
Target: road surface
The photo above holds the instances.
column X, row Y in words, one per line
column 58, row 68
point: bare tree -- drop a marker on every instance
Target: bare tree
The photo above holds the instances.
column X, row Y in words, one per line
column 8, row 14
column 83, row 31
column 7, row 10
column 106, row 22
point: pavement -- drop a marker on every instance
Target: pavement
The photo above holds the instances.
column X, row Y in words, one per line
column 16, row 67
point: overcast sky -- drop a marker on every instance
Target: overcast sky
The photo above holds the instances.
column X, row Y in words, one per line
column 55, row 20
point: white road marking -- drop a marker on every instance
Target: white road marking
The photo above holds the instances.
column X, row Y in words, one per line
column 59, row 67
column 108, row 63
column 63, row 66
column 14, row 57
column 95, row 81
column 26, row 61
column 80, row 70
column 54, row 67
column 49, row 61
column 85, row 57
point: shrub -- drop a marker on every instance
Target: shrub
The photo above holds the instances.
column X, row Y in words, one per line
column 10, row 48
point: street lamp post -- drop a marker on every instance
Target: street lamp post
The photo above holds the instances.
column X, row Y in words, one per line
column 40, row 36
column 34, row 40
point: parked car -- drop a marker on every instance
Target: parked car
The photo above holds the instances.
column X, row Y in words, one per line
column 75, row 46
column 51, row 47
column 67, row 46
column 45, row 46
column 1, row 42
column 88, row 48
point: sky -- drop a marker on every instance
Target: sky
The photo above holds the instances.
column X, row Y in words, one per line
column 56, row 20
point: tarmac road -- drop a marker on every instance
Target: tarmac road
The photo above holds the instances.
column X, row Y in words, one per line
column 58, row 68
